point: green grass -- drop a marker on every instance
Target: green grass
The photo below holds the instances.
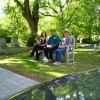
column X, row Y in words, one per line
column 41, row 71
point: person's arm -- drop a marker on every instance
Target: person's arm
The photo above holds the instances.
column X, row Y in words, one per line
column 37, row 41
column 58, row 41
column 62, row 44
column 70, row 41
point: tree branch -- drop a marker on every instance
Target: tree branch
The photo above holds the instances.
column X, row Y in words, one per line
column 71, row 16
column 54, row 10
column 27, row 7
column 19, row 4
column 47, row 14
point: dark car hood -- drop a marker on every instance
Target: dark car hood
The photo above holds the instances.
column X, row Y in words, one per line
column 77, row 86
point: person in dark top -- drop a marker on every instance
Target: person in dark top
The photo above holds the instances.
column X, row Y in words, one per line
column 52, row 44
column 40, row 46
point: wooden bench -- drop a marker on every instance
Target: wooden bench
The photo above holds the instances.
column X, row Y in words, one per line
column 69, row 51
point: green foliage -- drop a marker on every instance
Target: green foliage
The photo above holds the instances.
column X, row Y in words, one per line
column 82, row 18
column 91, row 41
column 15, row 24
column 8, row 39
column 3, row 34
column 87, row 41
column 31, row 40
column 96, row 42
column 1, row 52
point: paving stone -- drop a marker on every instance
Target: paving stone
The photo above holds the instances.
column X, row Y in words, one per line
column 12, row 83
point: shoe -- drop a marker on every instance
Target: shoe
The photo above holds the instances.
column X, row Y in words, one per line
column 30, row 55
column 58, row 63
column 50, row 60
column 55, row 62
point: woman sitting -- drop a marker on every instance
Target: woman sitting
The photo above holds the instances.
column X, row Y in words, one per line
column 40, row 46
column 67, row 40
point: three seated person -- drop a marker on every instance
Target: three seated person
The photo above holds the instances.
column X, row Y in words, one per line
column 52, row 45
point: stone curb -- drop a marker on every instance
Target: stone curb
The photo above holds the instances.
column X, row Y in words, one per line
column 17, row 51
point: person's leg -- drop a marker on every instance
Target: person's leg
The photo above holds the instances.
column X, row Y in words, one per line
column 46, row 52
column 33, row 51
column 38, row 48
column 56, row 54
column 60, row 51
column 51, row 52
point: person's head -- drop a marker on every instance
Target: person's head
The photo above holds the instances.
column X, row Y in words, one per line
column 66, row 32
column 43, row 34
column 52, row 32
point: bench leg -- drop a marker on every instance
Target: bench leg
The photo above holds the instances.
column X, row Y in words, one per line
column 67, row 57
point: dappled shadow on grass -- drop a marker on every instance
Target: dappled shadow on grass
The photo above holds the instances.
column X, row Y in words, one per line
column 34, row 69
column 87, row 58
column 40, row 71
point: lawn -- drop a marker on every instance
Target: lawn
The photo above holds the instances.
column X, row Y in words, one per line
column 41, row 71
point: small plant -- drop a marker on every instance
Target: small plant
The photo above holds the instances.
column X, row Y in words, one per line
column 1, row 52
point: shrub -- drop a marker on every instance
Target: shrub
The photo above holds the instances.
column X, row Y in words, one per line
column 96, row 42
column 1, row 52
column 8, row 39
column 87, row 40
column 31, row 41
column 78, row 41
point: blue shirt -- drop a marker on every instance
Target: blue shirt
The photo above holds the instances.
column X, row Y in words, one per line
column 66, row 41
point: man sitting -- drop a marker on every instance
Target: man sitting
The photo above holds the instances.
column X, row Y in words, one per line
column 52, row 44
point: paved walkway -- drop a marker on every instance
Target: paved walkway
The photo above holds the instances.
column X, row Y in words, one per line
column 11, row 83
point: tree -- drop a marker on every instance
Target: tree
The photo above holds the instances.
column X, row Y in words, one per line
column 60, row 14
column 31, row 16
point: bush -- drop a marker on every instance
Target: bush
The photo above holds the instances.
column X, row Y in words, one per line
column 96, row 42
column 8, row 39
column 87, row 41
column 31, row 41
column 1, row 52
column 78, row 41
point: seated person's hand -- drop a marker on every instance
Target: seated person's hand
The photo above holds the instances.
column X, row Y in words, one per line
column 36, row 39
column 49, row 46
column 60, row 46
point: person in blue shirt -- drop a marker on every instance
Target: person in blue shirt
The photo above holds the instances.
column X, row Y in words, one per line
column 52, row 44
column 40, row 46
column 67, row 40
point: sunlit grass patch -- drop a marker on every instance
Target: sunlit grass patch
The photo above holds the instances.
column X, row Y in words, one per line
column 22, row 64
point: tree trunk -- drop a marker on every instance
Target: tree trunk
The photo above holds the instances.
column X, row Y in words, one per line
column 32, row 20
column 76, row 36
column 32, row 17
